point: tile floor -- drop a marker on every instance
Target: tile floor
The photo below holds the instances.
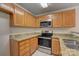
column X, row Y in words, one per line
column 38, row 53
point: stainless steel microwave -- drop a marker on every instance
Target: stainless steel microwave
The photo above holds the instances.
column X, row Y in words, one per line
column 45, row 24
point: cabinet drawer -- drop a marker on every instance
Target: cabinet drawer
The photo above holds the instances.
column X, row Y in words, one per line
column 34, row 41
column 24, row 46
column 24, row 42
column 24, row 51
column 33, row 47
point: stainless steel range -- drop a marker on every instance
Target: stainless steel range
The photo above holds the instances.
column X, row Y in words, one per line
column 45, row 39
column 44, row 42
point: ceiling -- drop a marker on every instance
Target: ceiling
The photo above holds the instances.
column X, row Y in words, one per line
column 36, row 9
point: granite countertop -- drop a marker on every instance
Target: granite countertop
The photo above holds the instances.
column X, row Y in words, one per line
column 65, row 50
column 23, row 36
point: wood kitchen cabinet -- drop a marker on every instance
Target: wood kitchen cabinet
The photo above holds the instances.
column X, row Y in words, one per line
column 29, row 20
column 33, row 44
column 7, row 7
column 57, row 20
column 56, row 50
column 42, row 18
column 18, row 17
column 69, row 18
column 32, row 21
column 64, row 19
column 37, row 22
column 24, row 47
column 20, row 48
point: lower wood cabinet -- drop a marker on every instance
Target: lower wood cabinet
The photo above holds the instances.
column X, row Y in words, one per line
column 33, row 44
column 23, row 48
column 56, row 47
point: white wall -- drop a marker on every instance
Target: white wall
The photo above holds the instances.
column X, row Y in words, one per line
column 4, row 35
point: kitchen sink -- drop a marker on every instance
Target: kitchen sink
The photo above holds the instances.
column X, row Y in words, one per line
column 77, row 44
column 70, row 43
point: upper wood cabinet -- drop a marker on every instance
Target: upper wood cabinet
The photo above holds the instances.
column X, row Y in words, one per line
column 69, row 18
column 37, row 22
column 26, row 19
column 41, row 18
column 32, row 21
column 64, row 19
column 57, row 19
column 7, row 7
column 18, row 17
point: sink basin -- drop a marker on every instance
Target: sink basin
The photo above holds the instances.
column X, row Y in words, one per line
column 70, row 43
column 77, row 45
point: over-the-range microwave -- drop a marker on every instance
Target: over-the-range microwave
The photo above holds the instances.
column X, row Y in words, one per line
column 44, row 24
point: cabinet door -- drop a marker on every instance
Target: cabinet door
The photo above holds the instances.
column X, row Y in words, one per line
column 24, row 47
column 57, row 20
column 37, row 22
column 36, row 42
column 18, row 17
column 69, row 18
column 7, row 7
column 29, row 20
column 32, row 21
column 42, row 18
column 26, row 19
column 33, row 44
column 56, row 46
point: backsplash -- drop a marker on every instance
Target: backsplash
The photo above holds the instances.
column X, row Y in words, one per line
column 62, row 30
column 31, row 30
column 27, row 30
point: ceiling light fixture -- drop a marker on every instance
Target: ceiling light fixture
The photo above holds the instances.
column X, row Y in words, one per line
column 44, row 5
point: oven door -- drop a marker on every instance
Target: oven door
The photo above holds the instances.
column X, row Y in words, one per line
column 44, row 42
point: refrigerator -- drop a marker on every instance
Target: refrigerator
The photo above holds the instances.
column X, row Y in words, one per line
column 4, row 34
